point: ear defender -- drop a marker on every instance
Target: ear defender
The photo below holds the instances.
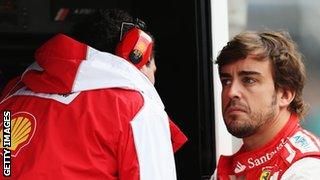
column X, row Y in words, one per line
column 135, row 47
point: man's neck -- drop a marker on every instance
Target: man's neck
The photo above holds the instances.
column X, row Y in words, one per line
column 266, row 132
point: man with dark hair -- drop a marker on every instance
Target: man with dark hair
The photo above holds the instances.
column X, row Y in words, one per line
column 87, row 108
column 262, row 77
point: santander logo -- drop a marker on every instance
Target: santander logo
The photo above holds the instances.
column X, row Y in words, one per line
column 253, row 162
column 239, row 168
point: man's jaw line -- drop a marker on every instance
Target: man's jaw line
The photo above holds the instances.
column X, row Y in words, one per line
column 267, row 131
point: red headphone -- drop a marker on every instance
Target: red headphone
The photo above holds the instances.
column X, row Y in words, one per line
column 135, row 47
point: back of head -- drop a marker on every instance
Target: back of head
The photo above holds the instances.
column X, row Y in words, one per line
column 280, row 49
column 117, row 32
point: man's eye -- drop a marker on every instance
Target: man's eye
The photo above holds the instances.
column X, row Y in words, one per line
column 225, row 82
column 248, row 80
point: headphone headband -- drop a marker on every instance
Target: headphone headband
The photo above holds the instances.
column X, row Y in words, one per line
column 138, row 24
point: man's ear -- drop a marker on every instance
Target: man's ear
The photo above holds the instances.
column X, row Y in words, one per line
column 285, row 96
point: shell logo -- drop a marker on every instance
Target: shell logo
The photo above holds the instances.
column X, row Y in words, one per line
column 23, row 126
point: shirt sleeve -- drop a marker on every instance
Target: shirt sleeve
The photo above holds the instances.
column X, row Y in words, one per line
column 306, row 168
column 177, row 136
column 128, row 163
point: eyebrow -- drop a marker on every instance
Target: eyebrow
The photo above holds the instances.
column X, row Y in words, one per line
column 241, row 73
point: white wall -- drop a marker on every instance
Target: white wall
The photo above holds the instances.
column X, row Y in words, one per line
column 225, row 143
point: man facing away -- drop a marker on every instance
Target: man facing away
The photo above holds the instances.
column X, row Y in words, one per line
column 81, row 112
column 262, row 76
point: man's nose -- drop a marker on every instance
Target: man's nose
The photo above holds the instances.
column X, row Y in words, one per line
column 234, row 90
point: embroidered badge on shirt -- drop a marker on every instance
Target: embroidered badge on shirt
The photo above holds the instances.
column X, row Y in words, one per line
column 303, row 142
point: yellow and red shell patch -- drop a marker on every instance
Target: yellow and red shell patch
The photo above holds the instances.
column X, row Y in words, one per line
column 23, row 126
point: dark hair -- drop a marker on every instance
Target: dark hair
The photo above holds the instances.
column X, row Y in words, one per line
column 277, row 46
column 101, row 29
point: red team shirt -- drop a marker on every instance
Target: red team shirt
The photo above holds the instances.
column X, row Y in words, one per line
column 292, row 144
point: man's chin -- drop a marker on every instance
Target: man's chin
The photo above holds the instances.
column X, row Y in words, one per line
column 236, row 118
column 239, row 127
column 240, row 134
